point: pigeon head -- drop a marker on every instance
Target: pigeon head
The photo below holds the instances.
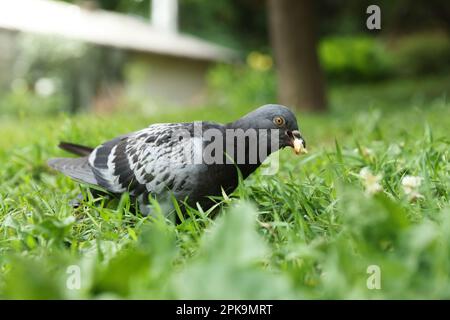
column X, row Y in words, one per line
column 279, row 119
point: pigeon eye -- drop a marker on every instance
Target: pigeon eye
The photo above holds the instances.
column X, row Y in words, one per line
column 279, row 121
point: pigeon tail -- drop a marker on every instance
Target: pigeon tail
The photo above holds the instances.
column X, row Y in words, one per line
column 76, row 168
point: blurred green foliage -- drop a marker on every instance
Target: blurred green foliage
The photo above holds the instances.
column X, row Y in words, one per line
column 240, row 24
column 22, row 102
column 310, row 231
column 347, row 61
column 241, row 86
column 354, row 59
column 422, row 54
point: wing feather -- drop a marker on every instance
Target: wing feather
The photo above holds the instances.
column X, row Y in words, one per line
column 147, row 161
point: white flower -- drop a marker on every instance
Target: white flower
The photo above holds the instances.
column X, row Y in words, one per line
column 371, row 182
column 45, row 87
column 411, row 181
column 395, row 149
column 367, row 152
column 411, row 185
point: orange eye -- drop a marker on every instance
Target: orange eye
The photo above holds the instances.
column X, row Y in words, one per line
column 279, row 121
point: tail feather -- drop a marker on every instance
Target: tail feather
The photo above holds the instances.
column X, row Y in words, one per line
column 76, row 148
column 76, row 168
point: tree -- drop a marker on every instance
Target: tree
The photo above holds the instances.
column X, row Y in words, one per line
column 294, row 42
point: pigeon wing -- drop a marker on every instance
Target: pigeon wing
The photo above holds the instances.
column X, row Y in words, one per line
column 147, row 161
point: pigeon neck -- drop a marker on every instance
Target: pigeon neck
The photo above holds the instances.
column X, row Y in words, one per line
column 247, row 154
column 241, row 123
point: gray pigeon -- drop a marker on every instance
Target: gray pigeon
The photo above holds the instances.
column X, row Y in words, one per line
column 191, row 161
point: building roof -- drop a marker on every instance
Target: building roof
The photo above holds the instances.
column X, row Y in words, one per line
column 104, row 28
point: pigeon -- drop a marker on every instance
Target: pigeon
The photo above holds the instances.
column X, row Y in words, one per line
column 191, row 162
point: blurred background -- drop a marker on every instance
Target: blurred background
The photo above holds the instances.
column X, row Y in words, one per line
column 88, row 71
column 151, row 56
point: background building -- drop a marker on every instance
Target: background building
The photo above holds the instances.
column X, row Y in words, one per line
column 168, row 67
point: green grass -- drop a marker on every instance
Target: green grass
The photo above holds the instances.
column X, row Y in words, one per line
column 310, row 231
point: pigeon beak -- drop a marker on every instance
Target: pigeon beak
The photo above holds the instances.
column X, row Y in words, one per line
column 297, row 142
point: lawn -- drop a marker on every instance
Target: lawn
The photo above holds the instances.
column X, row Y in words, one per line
column 364, row 215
